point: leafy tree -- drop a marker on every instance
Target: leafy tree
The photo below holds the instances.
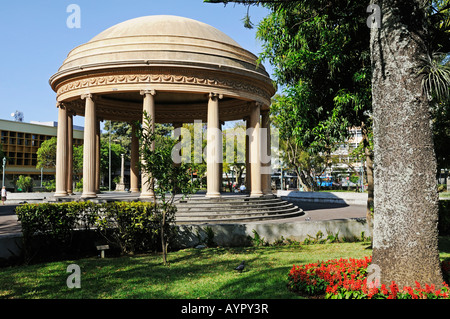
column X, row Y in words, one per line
column 404, row 75
column 77, row 159
column 321, row 56
column 116, row 158
column 234, row 145
column 167, row 177
column 46, row 154
column 24, row 183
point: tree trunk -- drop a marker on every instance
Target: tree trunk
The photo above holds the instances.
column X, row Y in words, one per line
column 405, row 243
column 368, row 154
column 303, row 180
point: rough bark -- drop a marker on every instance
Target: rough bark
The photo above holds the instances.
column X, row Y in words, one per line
column 405, row 243
column 368, row 154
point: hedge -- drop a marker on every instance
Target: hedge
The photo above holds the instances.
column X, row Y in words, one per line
column 55, row 229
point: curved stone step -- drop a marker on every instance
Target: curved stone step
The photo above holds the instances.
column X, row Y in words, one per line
column 236, row 208
column 188, row 221
column 226, row 211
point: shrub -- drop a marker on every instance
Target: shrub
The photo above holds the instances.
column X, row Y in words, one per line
column 51, row 229
column 346, row 279
column 48, row 229
column 135, row 226
column 24, row 183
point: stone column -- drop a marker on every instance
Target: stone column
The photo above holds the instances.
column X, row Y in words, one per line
column 214, row 147
column 97, row 155
column 70, row 154
column 89, row 149
column 266, row 174
column 134, row 170
column 61, row 152
column 255, row 150
column 149, row 108
column 248, row 173
column 221, row 162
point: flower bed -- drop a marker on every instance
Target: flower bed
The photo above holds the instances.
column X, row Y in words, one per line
column 347, row 279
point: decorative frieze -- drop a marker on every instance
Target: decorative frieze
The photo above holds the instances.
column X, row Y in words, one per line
column 210, row 80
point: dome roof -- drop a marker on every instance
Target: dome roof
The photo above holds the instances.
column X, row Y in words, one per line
column 165, row 53
column 165, row 25
column 162, row 40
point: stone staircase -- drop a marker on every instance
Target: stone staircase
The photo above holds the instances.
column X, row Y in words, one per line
column 233, row 209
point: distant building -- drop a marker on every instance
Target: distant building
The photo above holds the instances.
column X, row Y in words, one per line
column 20, row 142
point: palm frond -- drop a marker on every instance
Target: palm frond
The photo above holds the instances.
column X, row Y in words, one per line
column 436, row 76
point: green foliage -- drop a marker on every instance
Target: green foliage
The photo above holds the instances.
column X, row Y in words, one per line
column 46, row 154
column 208, row 239
column 320, row 53
column 49, row 186
column 136, row 225
column 257, row 240
column 24, row 183
column 116, row 159
column 168, row 178
column 48, row 228
column 128, row 226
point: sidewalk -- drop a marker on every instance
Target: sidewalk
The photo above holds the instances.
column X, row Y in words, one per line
column 349, row 198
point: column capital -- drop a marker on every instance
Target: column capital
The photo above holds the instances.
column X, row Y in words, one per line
column 151, row 91
column 86, row 96
column 60, row 105
column 215, row 95
column 259, row 104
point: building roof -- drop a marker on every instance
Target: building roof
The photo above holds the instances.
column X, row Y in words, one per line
column 162, row 40
column 181, row 59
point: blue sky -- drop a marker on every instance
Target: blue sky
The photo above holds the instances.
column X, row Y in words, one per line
column 35, row 40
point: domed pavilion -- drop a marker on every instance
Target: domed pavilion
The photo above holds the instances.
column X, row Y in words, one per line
column 175, row 69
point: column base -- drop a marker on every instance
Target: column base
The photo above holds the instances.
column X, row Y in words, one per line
column 213, row 195
column 134, row 190
column 256, row 194
column 147, row 195
column 89, row 195
column 60, row 194
column 120, row 187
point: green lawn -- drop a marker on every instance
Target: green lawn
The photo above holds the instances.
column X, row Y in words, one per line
column 192, row 273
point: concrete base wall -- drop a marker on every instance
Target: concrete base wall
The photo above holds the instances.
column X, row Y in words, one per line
column 233, row 235
column 240, row 234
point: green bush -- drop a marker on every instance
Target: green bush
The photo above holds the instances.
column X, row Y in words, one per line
column 52, row 230
column 135, row 226
column 49, row 186
column 24, row 183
